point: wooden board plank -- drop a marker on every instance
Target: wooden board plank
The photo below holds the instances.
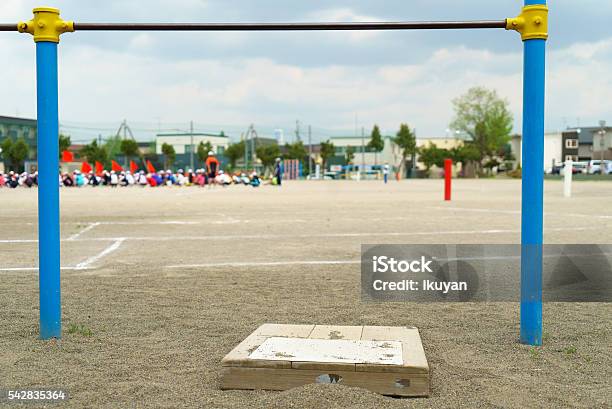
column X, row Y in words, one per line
column 413, row 353
column 385, row 383
column 241, row 371
column 239, row 356
column 329, row 351
column 336, row 332
column 285, row 330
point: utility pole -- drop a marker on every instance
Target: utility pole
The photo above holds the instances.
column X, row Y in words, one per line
column 297, row 130
column 191, row 144
column 125, row 160
column 362, row 151
column 253, row 142
column 602, row 145
column 243, row 139
column 310, row 151
column 413, row 171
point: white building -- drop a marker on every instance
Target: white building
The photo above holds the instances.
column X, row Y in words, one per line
column 369, row 158
column 182, row 142
column 553, row 149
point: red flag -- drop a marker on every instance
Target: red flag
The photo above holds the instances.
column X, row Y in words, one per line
column 133, row 167
column 67, row 156
column 116, row 167
column 85, row 167
column 150, row 167
column 99, row 168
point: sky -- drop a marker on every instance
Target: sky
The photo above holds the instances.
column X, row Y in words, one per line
column 337, row 82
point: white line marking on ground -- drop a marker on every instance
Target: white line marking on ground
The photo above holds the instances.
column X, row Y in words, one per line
column 557, row 214
column 114, row 246
column 317, row 235
column 266, row 263
column 85, row 230
column 146, row 223
column 36, row 268
column 471, row 209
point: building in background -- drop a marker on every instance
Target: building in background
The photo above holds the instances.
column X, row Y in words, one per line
column 589, row 143
column 569, row 146
column 15, row 128
column 554, row 143
column 182, row 144
column 359, row 145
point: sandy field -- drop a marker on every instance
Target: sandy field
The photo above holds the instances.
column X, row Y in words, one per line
column 161, row 283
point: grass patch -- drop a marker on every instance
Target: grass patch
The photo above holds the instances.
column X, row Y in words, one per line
column 80, row 329
column 570, row 350
column 535, row 353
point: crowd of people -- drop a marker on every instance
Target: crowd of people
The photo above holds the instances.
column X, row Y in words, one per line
column 127, row 178
column 211, row 175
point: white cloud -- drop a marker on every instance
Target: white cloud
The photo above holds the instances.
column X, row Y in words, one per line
column 346, row 15
column 106, row 84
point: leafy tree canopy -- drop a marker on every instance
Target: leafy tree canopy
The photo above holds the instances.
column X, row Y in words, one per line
column 129, row 147
column 267, row 154
column 486, row 118
column 234, row 152
column 328, row 150
column 377, row 144
column 296, row 150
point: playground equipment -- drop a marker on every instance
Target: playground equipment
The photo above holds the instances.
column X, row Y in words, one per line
column 292, row 169
column 47, row 26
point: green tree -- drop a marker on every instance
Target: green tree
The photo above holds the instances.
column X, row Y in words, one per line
column 20, row 150
column 406, row 142
column 169, row 154
column 234, row 152
column 203, row 149
column 94, row 153
column 7, row 146
column 267, row 154
column 296, row 150
column 129, row 148
column 15, row 153
column 431, row 155
column 328, row 150
column 377, row 144
column 113, row 146
column 486, row 119
column 349, row 155
column 64, row 143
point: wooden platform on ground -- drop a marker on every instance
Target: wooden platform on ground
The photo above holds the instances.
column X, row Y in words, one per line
column 386, row 360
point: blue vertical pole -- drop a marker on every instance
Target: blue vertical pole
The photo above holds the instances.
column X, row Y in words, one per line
column 533, row 188
column 48, row 190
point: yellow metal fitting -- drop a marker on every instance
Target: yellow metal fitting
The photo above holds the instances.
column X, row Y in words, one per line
column 532, row 23
column 46, row 25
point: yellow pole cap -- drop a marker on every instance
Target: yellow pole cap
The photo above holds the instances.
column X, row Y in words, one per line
column 46, row 25
column 532, row 23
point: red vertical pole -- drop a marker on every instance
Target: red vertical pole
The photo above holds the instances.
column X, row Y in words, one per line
column 448, row 174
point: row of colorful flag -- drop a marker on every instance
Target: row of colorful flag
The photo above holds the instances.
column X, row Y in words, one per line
column 67, row 156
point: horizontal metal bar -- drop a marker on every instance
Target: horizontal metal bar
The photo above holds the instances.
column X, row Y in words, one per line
column 8, row 27
column 416, row 25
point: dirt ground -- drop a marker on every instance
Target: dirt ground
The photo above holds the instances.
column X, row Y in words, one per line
column 169, row 280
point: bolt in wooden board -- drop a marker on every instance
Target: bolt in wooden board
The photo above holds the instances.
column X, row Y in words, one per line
column 279, row 357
